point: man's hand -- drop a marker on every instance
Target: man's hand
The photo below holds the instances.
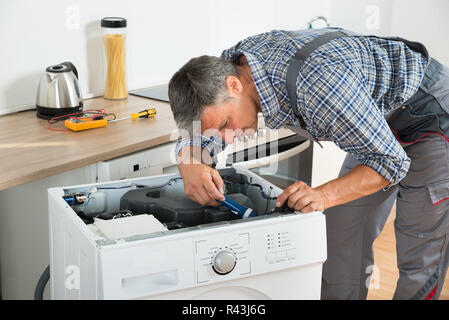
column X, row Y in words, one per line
column 359, row 182
column 301, row 197
column 202, row 183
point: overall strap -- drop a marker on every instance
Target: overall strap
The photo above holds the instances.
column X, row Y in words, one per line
column 297, row 62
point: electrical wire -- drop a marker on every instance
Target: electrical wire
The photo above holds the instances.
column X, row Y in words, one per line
column 41, row 283
column 170, row 182
column 112, row 188
column 85, row 203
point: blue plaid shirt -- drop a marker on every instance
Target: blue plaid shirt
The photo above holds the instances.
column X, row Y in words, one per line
column 344, row 91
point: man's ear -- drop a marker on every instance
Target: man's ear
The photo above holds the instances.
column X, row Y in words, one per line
column 234, row 85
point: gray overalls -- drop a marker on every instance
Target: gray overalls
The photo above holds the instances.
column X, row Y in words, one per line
column 422, row 197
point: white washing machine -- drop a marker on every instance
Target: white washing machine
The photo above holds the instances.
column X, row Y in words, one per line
column 270, row 256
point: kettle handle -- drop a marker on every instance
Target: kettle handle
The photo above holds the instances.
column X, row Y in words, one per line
column 71, row 67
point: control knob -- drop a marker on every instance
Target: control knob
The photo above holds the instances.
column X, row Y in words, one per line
column 224, row 262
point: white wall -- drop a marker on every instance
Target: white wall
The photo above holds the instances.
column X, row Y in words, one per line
column 162, row 36
column 418, row 20
column 426, row 22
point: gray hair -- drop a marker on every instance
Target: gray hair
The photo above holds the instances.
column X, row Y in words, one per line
column 200, row 82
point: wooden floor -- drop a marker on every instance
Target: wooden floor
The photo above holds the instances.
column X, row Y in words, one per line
column 382, row 287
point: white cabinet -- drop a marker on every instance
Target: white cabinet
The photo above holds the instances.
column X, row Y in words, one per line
column 153, row 161
column 24, row 238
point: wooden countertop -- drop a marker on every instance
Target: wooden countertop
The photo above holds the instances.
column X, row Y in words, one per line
column 29, row 151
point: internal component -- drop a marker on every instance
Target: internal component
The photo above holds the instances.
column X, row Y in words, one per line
column 178, row 211
column 168, row 204
column 127, row 226
column 77, row 199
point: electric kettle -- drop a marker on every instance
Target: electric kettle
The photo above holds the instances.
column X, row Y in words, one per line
column 58, row 92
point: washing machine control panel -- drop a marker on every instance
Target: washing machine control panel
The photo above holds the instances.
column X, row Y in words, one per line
column 268, row 245
column 222, row 256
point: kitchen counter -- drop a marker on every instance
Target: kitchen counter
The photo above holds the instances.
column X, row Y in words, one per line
column 29, row 151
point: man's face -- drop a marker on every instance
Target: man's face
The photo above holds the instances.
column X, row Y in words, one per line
column 232, row 118
column 238, row 115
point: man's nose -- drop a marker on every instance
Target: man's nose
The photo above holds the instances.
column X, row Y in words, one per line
column 228, row 135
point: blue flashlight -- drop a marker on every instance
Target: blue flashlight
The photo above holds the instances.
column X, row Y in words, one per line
column 241, row 211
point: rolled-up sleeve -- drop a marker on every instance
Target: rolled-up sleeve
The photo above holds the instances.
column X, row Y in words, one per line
column 213, row 145
column 338, row 104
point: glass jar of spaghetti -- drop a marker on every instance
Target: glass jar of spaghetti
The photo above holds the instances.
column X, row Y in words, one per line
column 114, row 39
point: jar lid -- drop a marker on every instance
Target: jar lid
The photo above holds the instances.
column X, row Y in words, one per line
column 113, row 22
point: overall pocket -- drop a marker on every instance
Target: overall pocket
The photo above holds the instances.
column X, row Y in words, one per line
column 423, row 212
column 439, row 193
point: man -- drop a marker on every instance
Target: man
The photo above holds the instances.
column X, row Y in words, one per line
column 382, row 100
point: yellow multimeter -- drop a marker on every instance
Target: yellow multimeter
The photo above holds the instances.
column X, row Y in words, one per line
column 85, row 124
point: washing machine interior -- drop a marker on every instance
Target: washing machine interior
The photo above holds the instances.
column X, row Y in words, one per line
column 164, row 198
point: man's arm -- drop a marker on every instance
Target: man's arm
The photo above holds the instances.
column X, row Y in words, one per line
column 337, row 103
column 358, row 182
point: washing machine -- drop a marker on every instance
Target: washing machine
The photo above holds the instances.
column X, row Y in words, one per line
column 142, row 238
